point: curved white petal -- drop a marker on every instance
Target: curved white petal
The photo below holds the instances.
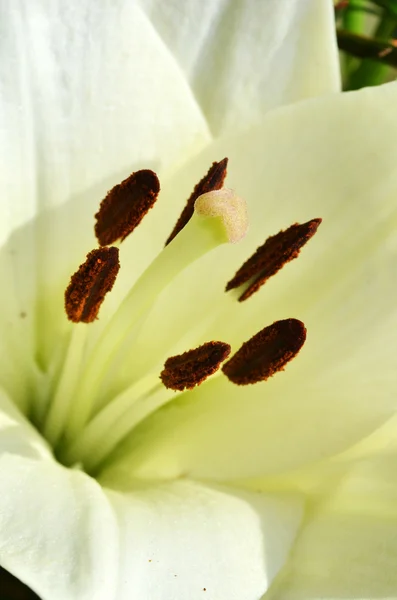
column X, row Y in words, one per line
column 245, row 58
column 187, row 540
column 58, row 533
column 17, row 435
column 382, row 440
column 343, row 384
column 17, row 276
column 66, row 538
column 88, row 92
column 347, row 547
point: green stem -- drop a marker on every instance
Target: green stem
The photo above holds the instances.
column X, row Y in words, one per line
column 362, row 47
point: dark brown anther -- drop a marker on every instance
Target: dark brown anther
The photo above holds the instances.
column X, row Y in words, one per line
column 90, row 284
column 191, row 368
column 213, row 180
column 269, row 258
column 125, row 206
column 266, row 353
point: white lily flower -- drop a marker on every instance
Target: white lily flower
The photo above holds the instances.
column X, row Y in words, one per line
column 111, row 485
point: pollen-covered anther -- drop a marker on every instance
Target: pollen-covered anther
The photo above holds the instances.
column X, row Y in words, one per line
column 125, row 206
column 266, row 353
column 269, row 258
column 229, row 208
column 89, row 285
column 191, row 368
column 213, row 180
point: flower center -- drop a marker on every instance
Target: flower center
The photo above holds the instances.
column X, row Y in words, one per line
column 89, row 413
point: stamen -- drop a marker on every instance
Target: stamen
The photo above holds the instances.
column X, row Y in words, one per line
column 266, row 353
column 213, row 180
column 125, row 206
column 191, row 368
column 201, row 235
column 269, row 258
column 104, row 431
column 89, row 285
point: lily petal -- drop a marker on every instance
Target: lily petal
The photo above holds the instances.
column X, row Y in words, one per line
column 17, row 435
column 342, row 385
column 348, row 546
column 87, row 92
column 58, row 531
column 183, row 539
column 188, row 540
column 243, row 59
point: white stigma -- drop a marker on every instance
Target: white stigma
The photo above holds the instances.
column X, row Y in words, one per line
column 230, row 208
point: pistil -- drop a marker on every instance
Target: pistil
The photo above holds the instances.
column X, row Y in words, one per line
column 212, row 181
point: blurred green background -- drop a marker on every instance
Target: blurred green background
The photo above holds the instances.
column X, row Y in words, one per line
column 367, row 39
